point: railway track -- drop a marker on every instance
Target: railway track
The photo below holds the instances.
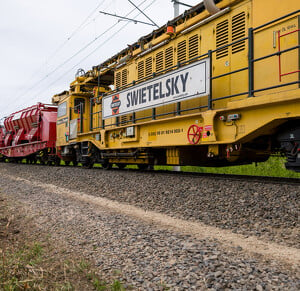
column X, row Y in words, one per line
column 226, row 201
column 232, row 177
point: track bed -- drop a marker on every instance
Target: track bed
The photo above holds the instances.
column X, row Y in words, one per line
column 198, row 232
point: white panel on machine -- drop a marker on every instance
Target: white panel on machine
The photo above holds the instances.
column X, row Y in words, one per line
column 73, row 128
column 185, row 83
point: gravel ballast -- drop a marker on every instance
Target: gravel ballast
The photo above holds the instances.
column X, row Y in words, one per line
column 146, row 256
column 268, row 211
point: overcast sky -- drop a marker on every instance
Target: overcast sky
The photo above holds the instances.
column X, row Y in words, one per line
column 43, row 43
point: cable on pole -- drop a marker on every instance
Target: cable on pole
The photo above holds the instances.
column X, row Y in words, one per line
column 70, row 58
column 56, row 51
column 104, row 42
column 143, row 13
column 181, row 3
column 126, row 18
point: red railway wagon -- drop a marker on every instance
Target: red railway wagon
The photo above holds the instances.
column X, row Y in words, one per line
column 30, row 133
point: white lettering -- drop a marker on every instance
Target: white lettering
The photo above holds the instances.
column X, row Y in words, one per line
column 185, row 83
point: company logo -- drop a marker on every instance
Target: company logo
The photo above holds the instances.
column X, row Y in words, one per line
column 115, row 104
column 188, row 82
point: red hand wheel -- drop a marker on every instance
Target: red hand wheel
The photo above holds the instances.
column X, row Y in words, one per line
column 194, row 134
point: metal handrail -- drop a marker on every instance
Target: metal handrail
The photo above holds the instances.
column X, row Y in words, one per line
column 250, row 68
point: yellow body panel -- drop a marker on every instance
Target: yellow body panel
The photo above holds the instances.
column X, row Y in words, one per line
column 238, row 114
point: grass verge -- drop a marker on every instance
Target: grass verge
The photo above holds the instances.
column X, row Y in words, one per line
column 29, row 261
column 273, row 167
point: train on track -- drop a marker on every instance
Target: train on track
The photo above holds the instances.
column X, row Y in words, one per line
column 218, row 85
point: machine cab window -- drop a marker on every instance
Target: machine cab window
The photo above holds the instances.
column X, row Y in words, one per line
column 79, row 105
column 62, row 109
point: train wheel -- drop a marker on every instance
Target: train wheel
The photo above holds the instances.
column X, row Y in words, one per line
column 121, row 166
column 57, row 162
column 106, row 166
column 75, row 163
column 88, row 164
column 67, row 163
column 142, row 167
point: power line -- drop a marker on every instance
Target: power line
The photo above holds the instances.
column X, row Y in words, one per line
column 76, row 30
column 143, row 13
column 104, row 42
column 126, row 18
column 150, row 4
column 70, row 58
column 70, row 37
column 110, row 3
column 97, row 48
column 58, row 49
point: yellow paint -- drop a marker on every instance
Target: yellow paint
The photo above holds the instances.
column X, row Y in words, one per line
column 259, row 115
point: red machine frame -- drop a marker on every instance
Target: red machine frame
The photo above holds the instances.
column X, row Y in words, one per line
column 29, row 131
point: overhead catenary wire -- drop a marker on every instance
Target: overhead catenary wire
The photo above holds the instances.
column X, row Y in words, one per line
column 61, row 65
column 81, row 26
column 143, row 13
column 76, row 30
column 97, row 48
column 62, row 45
column 69, row 59
column 96, row 16
column 126, row 18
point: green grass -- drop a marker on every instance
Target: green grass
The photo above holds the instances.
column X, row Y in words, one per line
column 29, row 267
column 16, row 268
column 273, row 167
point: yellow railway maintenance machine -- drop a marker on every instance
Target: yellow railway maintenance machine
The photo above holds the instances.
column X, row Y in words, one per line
column 216, row 86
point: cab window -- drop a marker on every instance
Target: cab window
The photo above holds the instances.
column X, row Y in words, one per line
column 62, row 109
column 77, row 106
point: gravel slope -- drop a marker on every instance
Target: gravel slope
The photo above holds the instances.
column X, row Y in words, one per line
column 139, row 254
column 270, row 212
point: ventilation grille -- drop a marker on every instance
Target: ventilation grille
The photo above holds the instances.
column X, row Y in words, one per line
column 124, row 77
column 118, row 80
column 149, row 66
column 169, row 57
column 222, row 39
column 193, row 46
column 159, row 65
column 181, row 52
column 238, row 31
column 141, row 69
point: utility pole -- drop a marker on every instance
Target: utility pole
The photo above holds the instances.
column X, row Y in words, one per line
column 176, row 4
column 176, row 13
column 176, row 8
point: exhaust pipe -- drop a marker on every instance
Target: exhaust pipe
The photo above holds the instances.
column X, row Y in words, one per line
column 211, row 7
